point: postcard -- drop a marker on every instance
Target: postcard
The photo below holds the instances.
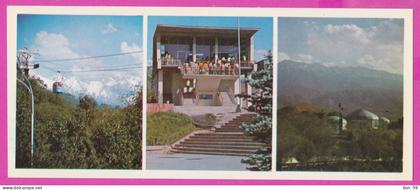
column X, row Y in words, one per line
column 210, row 93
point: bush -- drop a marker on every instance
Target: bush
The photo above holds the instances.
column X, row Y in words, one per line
column 167, row 127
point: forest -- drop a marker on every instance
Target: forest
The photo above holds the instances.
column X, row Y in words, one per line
column 77, row 133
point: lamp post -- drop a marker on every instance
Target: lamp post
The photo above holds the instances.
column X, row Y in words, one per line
column 23, row 62
column 239, row 66
column 29, row 87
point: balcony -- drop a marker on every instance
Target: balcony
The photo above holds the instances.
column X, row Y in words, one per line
column 171, row 62
column 224, row 70
column 208, row 68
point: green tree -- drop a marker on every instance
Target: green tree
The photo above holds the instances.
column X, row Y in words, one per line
column 261, row 127
column 304, row 136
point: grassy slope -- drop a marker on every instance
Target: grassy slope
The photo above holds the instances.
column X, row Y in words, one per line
column 167, row 127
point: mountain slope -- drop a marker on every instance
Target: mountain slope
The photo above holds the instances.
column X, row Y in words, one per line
column 326, row 87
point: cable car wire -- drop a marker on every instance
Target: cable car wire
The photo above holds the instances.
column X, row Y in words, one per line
column 90, row 57
column 102, row 69
column 107, row 67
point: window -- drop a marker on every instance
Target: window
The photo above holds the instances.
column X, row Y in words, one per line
column 205, row 96
column 176, row 48
column 228, row 47
column 205, row 48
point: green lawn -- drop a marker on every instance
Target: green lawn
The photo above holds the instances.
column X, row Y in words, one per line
column 167, row 127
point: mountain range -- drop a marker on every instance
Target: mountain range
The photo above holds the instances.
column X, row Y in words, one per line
column 352, row 87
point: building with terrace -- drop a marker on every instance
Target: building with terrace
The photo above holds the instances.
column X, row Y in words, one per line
column 201, row 66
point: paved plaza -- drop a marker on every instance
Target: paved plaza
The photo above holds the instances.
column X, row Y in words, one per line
column 156, row 160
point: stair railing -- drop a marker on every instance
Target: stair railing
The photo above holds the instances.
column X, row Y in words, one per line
column 231, row 95
column 180, row 96
column 196, row 98
column 219, row 98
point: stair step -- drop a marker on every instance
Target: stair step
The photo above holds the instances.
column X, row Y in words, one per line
column 237, row 122
column 221, row 137
column 219, row 140
column 233, row 127
column 221, row 150
column 218, row 146
column 208, row 153
column 245, row 115
column 227, row 140
column 231, row 124
column 225, row 143
column 229, row 130
column 237, row 127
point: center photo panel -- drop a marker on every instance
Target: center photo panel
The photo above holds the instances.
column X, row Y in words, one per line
column 209, row 93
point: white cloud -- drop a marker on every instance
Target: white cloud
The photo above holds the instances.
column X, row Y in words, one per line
column 53, row 46
column 349, row 32
column 125, row 48
column 109, row 28
column 260, row 54
column 282, row 56
column 304, row 58
column 378, row 47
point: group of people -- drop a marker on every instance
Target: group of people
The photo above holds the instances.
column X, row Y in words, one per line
column 168, row 59
column 223, row 66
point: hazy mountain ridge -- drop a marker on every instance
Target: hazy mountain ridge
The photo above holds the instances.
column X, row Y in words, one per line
column 353, row 87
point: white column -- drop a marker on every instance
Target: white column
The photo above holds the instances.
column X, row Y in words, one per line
column 216, row 49
column 249, row 92
column 251, row 49
column 158, row 53
column 236, row 89
column 194, row 48
column 160, row 86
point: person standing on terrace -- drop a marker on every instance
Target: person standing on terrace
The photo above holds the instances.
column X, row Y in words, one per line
column 200, row 66
column 206, row 68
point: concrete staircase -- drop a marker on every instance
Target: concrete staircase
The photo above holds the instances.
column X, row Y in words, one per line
column 228, row 140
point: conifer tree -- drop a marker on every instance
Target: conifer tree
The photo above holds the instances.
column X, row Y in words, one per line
column 260, row 128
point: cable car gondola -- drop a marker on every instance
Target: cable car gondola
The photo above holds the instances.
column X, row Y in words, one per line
column 58, row 85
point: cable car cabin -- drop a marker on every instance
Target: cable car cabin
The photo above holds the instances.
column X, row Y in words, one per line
column 58, row 88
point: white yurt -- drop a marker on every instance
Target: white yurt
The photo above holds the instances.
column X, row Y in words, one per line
column 363, row 118
column 334, row 120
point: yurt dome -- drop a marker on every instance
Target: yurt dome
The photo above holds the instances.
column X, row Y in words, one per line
column 336, row 121
column 362, row 114
column 385, row 120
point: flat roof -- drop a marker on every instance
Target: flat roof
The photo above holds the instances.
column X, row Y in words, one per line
column 183, row 29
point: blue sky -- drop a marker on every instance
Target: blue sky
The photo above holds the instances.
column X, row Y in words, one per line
column 68, row 36
column 262, row 39
column 364, row 42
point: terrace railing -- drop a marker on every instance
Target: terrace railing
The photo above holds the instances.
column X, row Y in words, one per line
column 230, row 68
column 171, row 62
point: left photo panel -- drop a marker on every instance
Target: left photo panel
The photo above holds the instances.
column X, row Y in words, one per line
column 78, row 92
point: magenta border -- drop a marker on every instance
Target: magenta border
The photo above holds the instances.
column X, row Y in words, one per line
column 411, row 4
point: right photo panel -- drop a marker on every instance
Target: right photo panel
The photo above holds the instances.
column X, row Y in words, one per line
column 340, row 94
